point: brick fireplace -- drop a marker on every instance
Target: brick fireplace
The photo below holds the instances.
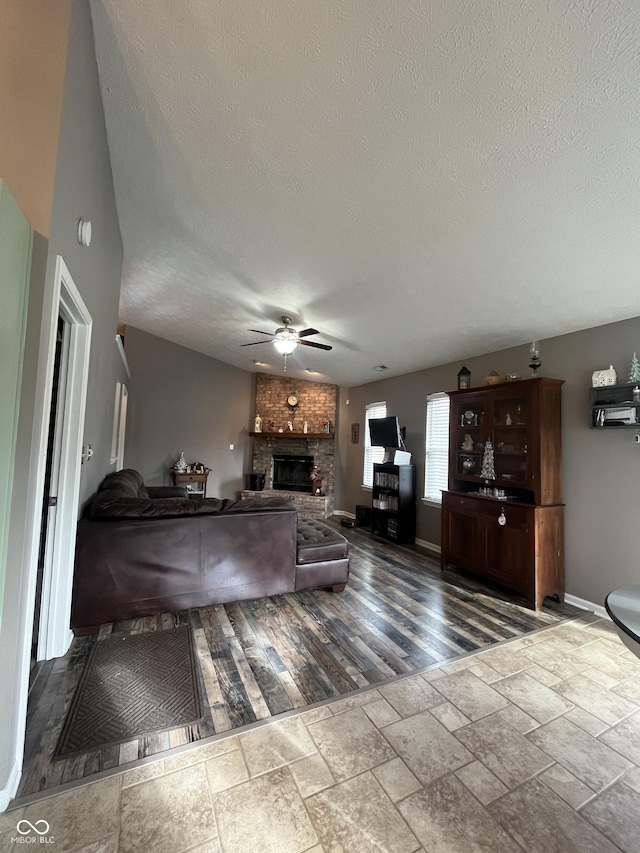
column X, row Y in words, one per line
column 318, row 403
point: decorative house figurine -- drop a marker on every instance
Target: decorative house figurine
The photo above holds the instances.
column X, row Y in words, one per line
column 257, row 426
column 600, row 378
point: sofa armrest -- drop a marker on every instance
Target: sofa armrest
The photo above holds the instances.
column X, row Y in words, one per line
column 167, row 492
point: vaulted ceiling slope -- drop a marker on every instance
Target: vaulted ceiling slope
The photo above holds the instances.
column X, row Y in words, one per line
column 420, row 180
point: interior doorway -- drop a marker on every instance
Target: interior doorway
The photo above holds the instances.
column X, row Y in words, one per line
column 52, row 468
column 68, row 371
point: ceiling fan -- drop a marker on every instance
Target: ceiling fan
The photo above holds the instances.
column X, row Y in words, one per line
column 285, row 339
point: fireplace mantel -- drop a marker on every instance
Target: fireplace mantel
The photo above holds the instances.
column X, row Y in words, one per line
column 288, row 434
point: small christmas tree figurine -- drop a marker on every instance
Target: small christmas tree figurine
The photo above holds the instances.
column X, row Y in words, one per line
column 488, row 468
column 634, row 370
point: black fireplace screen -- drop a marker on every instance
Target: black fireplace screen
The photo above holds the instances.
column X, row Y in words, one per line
column 292, row 473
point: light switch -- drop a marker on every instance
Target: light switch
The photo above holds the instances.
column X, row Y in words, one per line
column 231, row 446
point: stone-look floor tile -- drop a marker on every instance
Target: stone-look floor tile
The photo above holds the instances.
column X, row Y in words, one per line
column 485, row 672
column 396, row 779
column 264, row 815
column 211, row 846
column 553, row 656
column 503, row 750
column 629, row 689
column 9, row 820
column 586, row 721
column 142, row 774
column 615, row 813
column 200, row 754
column 226, row 770
column 601, row 678
column 350, row 744
column 533, row 698
column 168, row 814
column 470, row 695
column 380, row 713
column 591, row 761
column 457, row 665
column 604, row 628
column 574, row 792
column 276, row 744
column 504, row 661
column 604, row 655
column 589, row 696
column 83, row 815
column 105, row 845
column 311, row 775
column 357, row 815
column 543, row 675
column 627, row 655
column 434, row 675
column 316, row 714
column 481, row 782
column 632, row 779
column 449, row 716
column 446, row 818
column 543, row 823
column 352, row 702
column 517, row 718
column 426, row 747
column 625, row 738
column 411, row 695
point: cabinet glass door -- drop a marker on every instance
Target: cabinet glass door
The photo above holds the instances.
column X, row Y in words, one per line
column 510, row 440
column 468, row 427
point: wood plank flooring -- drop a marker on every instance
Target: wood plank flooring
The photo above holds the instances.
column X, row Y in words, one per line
column 260, row 658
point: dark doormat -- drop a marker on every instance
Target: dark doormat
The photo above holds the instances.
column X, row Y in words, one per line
column 133, row 686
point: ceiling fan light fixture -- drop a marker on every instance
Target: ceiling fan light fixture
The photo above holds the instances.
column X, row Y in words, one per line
column 286, row 341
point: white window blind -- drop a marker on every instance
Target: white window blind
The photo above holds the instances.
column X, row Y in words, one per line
column 371, row 454
column 437, row 446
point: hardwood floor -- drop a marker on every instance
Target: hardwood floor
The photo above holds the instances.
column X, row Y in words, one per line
column 264, row 657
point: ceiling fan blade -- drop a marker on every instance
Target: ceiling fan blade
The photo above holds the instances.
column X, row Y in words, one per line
column 253, row 343
column 306, row 332
column 260, row 332
column 312, row 344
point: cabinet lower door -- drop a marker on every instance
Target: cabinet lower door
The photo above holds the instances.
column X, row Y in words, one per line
column 462, row 538
column 509, row 550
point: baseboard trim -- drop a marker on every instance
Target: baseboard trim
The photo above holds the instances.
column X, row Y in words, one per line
column 429, row 546
column 583, row 604
column 9, row 791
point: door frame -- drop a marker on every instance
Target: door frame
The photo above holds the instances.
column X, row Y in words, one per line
column 55, row 635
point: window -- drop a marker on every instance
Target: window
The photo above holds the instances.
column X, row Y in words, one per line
column 437, row 447
column 371, row 454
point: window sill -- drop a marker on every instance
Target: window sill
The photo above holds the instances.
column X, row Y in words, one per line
column 431, row 502
column 366, row 488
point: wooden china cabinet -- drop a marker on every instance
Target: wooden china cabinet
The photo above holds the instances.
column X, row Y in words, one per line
column 510, row 528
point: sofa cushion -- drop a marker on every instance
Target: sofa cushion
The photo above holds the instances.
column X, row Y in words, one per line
column 317, row 542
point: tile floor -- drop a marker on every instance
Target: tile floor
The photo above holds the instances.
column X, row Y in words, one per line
column 533, row 745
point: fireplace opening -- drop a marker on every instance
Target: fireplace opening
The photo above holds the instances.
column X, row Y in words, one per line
column 291, row 473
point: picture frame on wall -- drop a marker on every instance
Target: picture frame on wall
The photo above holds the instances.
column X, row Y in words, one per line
column 355, row 433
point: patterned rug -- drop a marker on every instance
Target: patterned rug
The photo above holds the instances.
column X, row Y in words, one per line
column 133, row 686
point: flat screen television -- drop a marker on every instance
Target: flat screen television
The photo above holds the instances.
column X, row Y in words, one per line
column 386, row 432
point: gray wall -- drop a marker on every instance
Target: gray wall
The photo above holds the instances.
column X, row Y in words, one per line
column 83, row 188
column 600, row 469
column 182, row 400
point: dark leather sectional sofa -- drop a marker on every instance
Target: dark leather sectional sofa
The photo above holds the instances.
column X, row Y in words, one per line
column 148, row 550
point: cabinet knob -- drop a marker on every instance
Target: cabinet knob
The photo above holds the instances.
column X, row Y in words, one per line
column 502, row 518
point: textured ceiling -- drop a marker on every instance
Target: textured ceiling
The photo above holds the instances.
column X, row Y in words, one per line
column 420, row 180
